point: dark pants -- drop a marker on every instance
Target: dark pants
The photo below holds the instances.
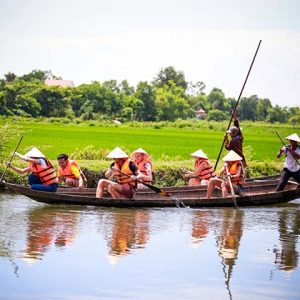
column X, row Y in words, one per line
column 285, row 176
column 36, row 184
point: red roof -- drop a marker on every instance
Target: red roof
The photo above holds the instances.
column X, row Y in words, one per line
column 62, row 83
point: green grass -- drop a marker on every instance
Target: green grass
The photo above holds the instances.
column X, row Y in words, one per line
column 165, row 143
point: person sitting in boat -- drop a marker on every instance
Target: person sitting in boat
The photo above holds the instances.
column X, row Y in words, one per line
column 232, row 170
column 42, row 175
column 236, row 142
column 204, row 170
column 143, row 161
column 291, row 166
column 69, row 172
column 125, row 171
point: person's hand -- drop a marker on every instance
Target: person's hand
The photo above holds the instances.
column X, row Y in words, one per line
column 234, row 115
column 133, row 177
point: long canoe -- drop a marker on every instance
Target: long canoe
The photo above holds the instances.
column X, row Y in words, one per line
column 255, row 193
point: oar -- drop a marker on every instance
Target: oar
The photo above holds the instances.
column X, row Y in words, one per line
column 231, row 187
column 152, row 187
column 237, row 103
column 288, row 148
column 10, row 160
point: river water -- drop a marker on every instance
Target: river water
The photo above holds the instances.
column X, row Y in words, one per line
column 73, row 252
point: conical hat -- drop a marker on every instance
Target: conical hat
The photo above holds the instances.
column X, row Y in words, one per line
column 231, row 156
column 34, row 152
column 117, row 153
column 199, row 153
column 293, row 137
column 141, row 150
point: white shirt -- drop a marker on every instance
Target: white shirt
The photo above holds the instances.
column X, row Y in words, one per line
column 290, row 162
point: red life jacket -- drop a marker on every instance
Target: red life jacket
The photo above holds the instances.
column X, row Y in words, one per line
column 141, row 167
column 207, row 172
column 46, row 174
column 67, row 172
column 233, row 171
column 122, row 179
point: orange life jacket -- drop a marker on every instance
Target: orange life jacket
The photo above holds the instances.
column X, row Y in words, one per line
column 233, row 171
column 122, row 179
column 67, row 172
column 141, row 167
column 46, row 174
column 207, row 172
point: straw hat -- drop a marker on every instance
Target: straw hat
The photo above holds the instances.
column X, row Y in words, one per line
column 34, row 152
column 232, row 129
column 293, row 137
column 141, row 150
column 199, row 153
column 231, row 156
column 117, row 153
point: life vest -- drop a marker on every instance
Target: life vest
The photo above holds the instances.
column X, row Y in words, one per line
column 233, row 171
column 122, row 179
column 67, row 172
column 207, row 172
column 141, row 167
column 46, row 174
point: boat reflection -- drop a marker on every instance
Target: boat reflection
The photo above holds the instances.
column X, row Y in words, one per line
column 129, row 233
column 228, row 242
column 46, row 227
column 286, row 258
column 199, row 227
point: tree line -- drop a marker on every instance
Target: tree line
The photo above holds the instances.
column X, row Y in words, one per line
column 167, row 98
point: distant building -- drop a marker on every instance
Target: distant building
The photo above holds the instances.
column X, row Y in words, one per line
column 62, row 83
column 201, row 114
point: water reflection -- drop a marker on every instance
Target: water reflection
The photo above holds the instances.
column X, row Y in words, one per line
column 129, row 232
column 228, row 242
column 230, row 248
column 286, row 258
column 49, row 226
column 200, row 227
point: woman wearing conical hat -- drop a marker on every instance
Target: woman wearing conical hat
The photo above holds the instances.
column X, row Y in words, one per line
column 291, row 166
column 232, row 170
column 142, row 159
column 42, row 175
column 204, row 170
column 125, row 171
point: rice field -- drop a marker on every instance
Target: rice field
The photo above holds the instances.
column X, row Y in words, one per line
column 162, row 142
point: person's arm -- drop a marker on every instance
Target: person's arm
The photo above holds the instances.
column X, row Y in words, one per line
column 148, row 176
column 29, row 159
column 18, row 170
column 281, row 152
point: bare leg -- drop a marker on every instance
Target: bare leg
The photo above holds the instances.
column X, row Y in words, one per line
column 212, row 184
column 102, row 185
column 115, row 190
column 72, row 182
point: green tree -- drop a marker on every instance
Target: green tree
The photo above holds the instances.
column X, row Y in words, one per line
column 216, row 99
column 146, row 93
column 170, row 103
column 277, row 114
column 168, row 75
column 248, row 108
column 216, row 115
column 262, row 109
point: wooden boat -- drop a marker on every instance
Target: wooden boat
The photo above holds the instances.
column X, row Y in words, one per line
column 260, row 191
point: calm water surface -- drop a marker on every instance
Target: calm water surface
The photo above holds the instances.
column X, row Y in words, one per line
column 56, row 252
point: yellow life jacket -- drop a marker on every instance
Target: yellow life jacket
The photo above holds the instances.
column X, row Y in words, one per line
column 122, row 179
column 233, row 171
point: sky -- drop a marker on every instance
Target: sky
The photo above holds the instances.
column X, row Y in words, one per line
column 212, row 41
